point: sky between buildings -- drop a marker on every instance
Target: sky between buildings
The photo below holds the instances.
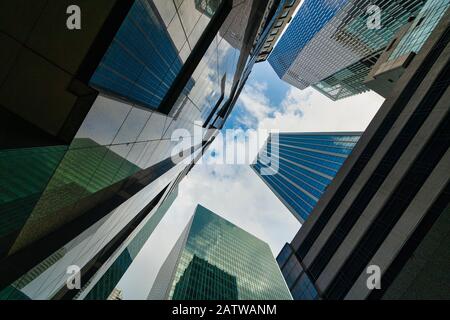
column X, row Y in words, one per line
column 235, row 192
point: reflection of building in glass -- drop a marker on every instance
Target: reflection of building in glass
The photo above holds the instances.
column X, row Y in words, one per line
column 204, row 281
column 329, row 45
column 404, row 47
column 214, row 259
column 283, row 18
column 112, row 274
column 207, row 7
column 86, row 161
column 306, row 165
column 142, row 61
column 389, row 206
column 24, row 175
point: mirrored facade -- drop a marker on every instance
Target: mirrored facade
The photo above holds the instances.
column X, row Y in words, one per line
column 307, row 163
column 405, row 47
column 387, row 211
column 89, row 156
column 147, row 54
column 425, row 22
column 336, row 54
column 216, row 260
column 102, row 288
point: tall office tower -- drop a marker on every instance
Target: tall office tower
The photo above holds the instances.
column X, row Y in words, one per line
column 106, row 278
column 388, row 209
column 216, row 260
column 332, row 45
column 298, row 167
column 91, row 93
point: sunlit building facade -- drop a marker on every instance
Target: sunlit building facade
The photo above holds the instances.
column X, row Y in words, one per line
column 87, row 118
column 405, row 46
column 332, row 45
column 306, row 163
column 388, row 209
column 216, row 260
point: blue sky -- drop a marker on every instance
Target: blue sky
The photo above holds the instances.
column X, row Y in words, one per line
column 234, row 191
column 275, row 91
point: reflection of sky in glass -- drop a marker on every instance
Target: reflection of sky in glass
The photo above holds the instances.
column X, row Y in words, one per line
column 118, row 139
column 145, row 57
column 80, row 250
column 307, row 164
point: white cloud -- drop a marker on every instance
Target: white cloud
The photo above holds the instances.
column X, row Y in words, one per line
column 310, row 111
column 235, row 192
column 255, row 102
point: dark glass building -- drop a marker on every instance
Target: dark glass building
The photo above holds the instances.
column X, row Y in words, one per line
column 306, row 163
column 388, row 209
column 86, row 120
column 216, row 260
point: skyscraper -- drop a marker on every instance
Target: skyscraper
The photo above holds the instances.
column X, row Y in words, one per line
column 116, row 295
column 216, row 260
column 87, row 116
column 110, row 274
column 306, row 165
column 331, row 45
column 404, row 47
column 388, row 208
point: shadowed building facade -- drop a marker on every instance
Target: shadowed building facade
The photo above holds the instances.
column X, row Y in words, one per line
column 216, row 260
column 86, row 123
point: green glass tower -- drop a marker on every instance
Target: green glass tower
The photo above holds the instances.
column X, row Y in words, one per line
column 216, row 260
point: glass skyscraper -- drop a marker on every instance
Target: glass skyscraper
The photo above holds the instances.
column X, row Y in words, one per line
column 425, row 22
column 216, row 260
column 306, row 165
column 404, row 48
column 389, row 206
column 337, row 53
column 111, row 274
column 87, row 118
column 307, row 23
column 298, row 281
